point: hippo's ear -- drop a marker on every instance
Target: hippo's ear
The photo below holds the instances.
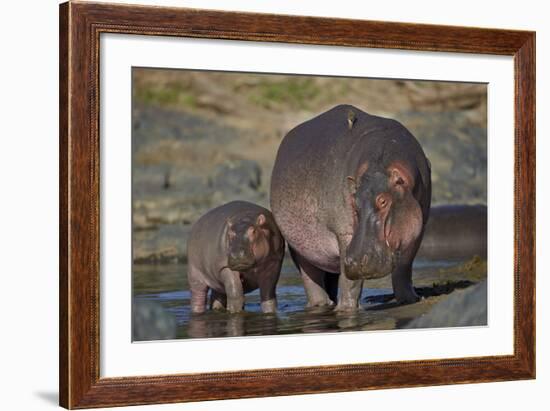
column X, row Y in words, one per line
column 261, row 220
column 400, row 175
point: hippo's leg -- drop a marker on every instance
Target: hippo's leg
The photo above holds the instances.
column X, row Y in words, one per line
column 268, row 298
column 314, row 281
column 233, row 289
column 268, row 285
column 349, row 293
column 403, row 289
column 218, row 301
column 331, row 286
column 199, row 290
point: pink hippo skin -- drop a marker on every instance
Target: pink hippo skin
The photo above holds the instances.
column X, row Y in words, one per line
column 351, row 194
column 234, row 249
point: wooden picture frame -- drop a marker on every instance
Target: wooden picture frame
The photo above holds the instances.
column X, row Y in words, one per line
column 80, row 27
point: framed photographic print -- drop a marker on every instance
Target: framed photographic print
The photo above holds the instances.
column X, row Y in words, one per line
column 257, row 205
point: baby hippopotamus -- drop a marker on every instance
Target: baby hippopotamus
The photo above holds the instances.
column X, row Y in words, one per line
column 234, row 249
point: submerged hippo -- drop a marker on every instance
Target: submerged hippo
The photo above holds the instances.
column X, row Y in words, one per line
column 351, row 194
column 234, row 249
column 455, row 232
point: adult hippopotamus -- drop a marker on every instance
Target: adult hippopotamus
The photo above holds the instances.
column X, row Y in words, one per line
column 351, row 194
column 234, row 249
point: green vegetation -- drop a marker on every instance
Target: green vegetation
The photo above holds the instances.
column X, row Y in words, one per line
column 294, row 92
column 166, row 95
column 474, row 269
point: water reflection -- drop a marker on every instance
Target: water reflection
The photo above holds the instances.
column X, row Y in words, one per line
column 216, row 324
column 152, row 322
column 292, row 317
column 219, row 324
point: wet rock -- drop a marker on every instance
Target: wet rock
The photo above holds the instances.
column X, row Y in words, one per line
column 181, row 169
column 151, row 124
column 162, row 181
column 166, row 244
column 236, row 176
column 456, row 145
column 462, row 308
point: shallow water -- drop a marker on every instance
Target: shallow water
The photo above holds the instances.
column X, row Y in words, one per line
column 162, row 306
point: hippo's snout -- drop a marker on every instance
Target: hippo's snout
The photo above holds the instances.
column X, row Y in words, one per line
column 368, row 267
column 355, row 265
column 240, row 261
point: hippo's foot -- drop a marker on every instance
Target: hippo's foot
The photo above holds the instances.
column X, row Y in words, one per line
column 349, row 294
column 269, row 306
column 342, row 307
column 198, row 309
column 406, row 296
column 218, row 306
column 218, row 301
column 320, row 302
column 403, row 289
column 235, row 305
